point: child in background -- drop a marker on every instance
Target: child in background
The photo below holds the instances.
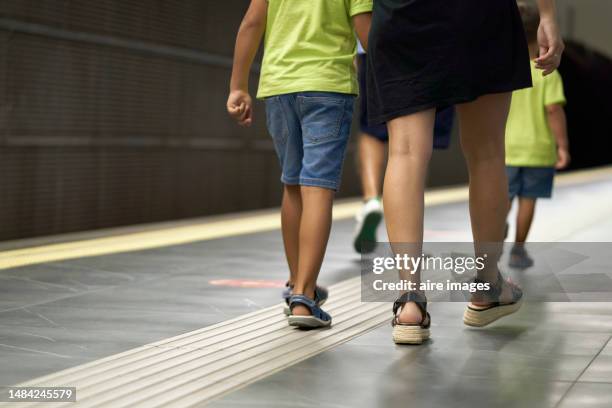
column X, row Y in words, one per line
column 536, row 140
column 309, row 85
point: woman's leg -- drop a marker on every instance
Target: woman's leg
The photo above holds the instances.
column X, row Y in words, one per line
column 483, row 127
column 410, row 148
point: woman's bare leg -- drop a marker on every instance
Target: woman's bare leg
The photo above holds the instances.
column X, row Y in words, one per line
column 483, row 127
column 410, row 148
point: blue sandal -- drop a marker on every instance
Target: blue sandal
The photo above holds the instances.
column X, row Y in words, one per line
column 321, row 296
column 318, row 317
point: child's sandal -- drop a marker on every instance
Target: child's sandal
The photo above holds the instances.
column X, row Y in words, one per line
column 479, row 316
column 318, row 317
column 413, row 333
column 321, row 296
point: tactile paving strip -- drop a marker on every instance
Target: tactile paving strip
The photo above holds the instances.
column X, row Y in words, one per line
column 195, row 367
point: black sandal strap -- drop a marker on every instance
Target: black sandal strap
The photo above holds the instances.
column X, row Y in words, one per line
column 421, row 302
column 495, row 290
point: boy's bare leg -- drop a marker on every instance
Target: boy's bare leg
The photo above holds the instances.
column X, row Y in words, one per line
column 410, row 148
column 526, row 209
column 291, row 214
column 371, row 162
column 314, row 231
column 482, row 127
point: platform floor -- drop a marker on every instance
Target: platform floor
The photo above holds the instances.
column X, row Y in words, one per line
column 202, row 320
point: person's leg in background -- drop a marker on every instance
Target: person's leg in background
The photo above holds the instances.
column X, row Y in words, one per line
column 482, row 129
column 372, row 155
column 519, row 257
column 514, row 177
column 370, row 161
column 536, row 182
column 524, row 218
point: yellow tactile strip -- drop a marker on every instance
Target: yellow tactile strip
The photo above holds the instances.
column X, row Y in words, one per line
column 195, row 367
column 220, row 227
column 213, row 228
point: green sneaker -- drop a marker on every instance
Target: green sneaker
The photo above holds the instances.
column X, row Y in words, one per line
column 368, row 219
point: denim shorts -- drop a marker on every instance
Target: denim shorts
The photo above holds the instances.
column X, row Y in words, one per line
column 310, row 131
column 530, row 182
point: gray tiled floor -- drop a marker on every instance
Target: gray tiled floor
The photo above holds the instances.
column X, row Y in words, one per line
column 58, row 315
column 524, row 361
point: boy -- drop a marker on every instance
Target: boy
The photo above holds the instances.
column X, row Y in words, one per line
column 309, row 84
column 536, row 140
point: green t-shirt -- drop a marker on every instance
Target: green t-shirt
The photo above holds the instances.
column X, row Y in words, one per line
column 310, row 46
column 529, row 140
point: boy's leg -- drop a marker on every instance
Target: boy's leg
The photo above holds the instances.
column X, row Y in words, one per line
column 526, row 209
column 519, row 258
column 291, row 215
column 371, row 141
column 537, row 182
column 371, row 162
column 325, row 128
column 284, row 128
column 314, row 231
column 410, row 148
column 514, row 176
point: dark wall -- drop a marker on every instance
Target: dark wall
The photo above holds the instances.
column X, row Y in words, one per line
column 587, row 78
column 112, row 113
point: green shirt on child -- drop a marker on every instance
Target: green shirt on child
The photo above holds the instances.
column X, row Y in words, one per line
column 529, row 139
column 309, row 46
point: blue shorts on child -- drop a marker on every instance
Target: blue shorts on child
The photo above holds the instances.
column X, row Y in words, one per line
column 530, row 182
column 310, row 131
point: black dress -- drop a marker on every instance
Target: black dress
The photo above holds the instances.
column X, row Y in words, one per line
column 424, row 54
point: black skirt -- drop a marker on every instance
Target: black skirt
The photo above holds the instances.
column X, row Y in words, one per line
column 424, row 54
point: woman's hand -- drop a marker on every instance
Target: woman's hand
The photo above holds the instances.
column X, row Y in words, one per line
column 551, row 46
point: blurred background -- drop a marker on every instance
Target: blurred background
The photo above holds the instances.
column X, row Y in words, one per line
column 112, row 112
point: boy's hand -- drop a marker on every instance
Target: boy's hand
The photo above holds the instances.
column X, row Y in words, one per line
column 551, row 46
column 239, row 106
column 563, row 159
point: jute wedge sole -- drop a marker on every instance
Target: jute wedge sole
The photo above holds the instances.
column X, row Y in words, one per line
column 403, row 334
column 479, row 318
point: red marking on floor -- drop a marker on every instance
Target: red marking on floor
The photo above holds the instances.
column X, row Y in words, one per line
column 248, row 283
